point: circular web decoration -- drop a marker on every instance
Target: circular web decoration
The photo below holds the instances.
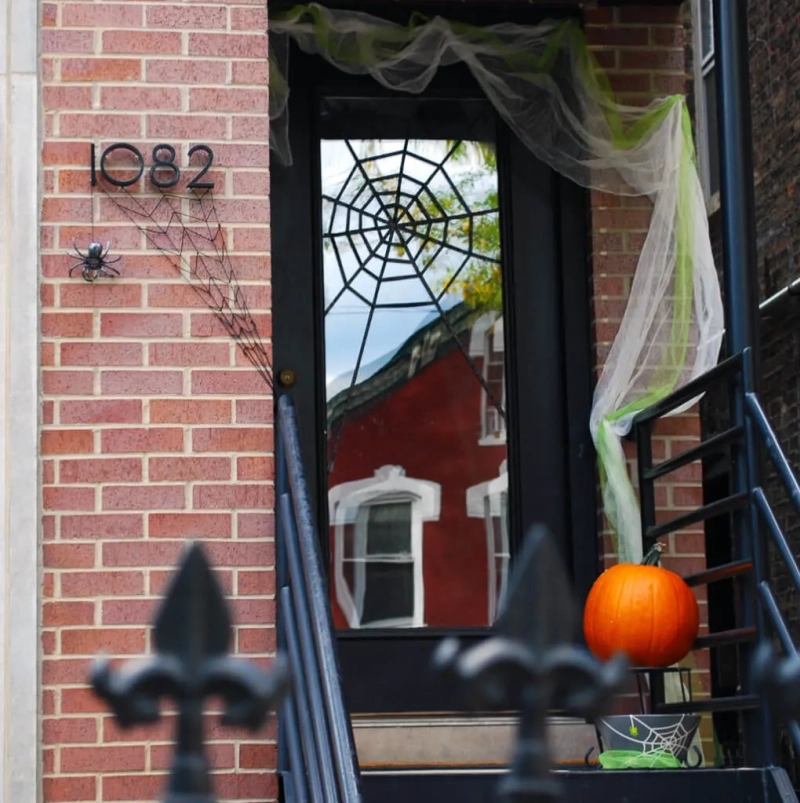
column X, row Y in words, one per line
column 400, row 217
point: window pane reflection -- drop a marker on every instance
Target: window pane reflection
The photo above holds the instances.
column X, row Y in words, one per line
column 415, row 375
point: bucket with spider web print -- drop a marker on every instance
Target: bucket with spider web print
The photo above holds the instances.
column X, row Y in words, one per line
column 649, row 735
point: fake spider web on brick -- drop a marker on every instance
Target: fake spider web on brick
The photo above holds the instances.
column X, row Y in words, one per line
column 665, row 739
column 187, row 231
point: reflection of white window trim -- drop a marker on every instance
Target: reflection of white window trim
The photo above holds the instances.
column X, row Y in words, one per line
column 348, row 504
column 489, row 501
column 488, row 331
column 704, row 63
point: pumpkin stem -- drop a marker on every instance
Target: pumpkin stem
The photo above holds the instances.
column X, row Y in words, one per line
column 653, row 555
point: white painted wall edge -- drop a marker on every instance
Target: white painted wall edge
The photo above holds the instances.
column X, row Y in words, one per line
column 20, row 181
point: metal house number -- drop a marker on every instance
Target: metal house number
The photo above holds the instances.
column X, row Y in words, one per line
column 164, row 171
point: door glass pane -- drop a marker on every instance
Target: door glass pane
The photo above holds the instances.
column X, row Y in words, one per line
column 389, row 529
column 389, row 593
column 415, row 369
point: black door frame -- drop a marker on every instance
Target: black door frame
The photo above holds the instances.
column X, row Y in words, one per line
column 296, row 243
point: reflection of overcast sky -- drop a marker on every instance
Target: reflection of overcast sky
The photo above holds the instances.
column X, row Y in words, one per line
column 390, row 328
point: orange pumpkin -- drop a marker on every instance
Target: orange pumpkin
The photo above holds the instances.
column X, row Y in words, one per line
column 643, row 610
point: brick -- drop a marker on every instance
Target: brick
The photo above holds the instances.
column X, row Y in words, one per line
column 102, row 759
column 140, row 324
column 188, row 469
column 226, row 99
column 94, row 584
column 70, row 730
column 133, row 787
column 190, row 525
column 231, row 439
column 128, row 611
column 101, row 353
column 104, row 15
column 185, row 126
column 68, row 556
column 224, row 45
column 68, row 498
column 149, row 497
column 100, row 295
column 140, row 97
column 185, row 71
column 219, row 755
column 111, row 411
column 107, row 125
column 67, row 441
column 100, row 69
column 196, row 411
column 651, row 59
column 110, row 640
column 56, row 41
column 255, row 583
column 139, row 441
column 253, row 611
column 247, row 785
column 235, row 381
column 256, row 525
column 186, row 17
column 64, row 614
column 103, row 470
column 254, row 411
column 67, row 97
column 257, row 469
column 236, row 496
column 618, row 36
column 141, row 383
column 123, row 237
column 102, row 526
column 189, row 354
column 150, row 42
column 250, row 72
column 63, row 789
column 141, row 553
column 257, row 756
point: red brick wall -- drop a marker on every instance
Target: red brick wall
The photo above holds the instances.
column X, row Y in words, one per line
column 154, row 428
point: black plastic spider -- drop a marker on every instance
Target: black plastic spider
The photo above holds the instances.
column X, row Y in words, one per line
column 93, row 263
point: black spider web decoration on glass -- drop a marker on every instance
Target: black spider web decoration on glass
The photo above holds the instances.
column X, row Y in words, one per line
column 398, row 228
column 194, row 243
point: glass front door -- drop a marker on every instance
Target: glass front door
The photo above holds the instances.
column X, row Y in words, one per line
column 415, row 380
column 420, row 257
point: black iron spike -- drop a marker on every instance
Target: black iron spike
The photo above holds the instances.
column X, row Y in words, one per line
column 533, row 663
column 192, row 636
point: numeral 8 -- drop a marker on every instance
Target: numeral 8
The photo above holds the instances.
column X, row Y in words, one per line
column 164, row 164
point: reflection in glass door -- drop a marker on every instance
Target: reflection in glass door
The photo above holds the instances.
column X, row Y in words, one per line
column 415, row 382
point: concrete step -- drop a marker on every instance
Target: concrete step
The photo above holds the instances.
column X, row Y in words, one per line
column 458, row 742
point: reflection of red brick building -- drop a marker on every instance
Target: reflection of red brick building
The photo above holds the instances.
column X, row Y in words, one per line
column 407, row 456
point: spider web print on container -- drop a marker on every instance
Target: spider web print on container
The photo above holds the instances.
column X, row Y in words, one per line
column 671, row 739
column 194, row 243
column 396, row 228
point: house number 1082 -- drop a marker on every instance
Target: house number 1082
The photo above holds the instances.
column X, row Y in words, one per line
column 164, row 171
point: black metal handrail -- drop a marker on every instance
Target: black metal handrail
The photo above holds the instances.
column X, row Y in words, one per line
column 317, row 759
column 743, row 438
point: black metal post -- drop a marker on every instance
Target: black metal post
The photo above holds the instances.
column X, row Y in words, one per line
column 737, row 204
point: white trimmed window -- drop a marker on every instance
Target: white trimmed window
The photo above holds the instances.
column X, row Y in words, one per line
column 378, row 539
column 489, row 501
column 705, row 91
column 487, row 344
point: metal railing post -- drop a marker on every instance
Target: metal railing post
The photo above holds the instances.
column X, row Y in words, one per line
column 741, row 301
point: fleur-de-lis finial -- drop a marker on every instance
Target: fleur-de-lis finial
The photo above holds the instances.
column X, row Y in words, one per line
column 533, row 663
column 192, row 635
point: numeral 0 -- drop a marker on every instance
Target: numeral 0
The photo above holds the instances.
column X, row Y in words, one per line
column 164, row 172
